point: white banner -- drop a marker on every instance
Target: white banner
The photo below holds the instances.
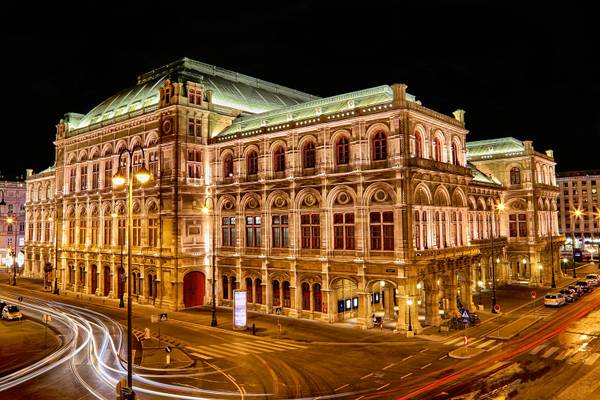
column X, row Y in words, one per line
column 239, row 309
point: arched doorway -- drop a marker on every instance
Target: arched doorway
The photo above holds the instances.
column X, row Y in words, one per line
column 384, row 304
column 106, row 280
column 346, row 296
column 121, row 282
column 193, row 289
column 94, row 279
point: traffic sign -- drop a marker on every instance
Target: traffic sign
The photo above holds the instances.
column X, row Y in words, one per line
column 497, row 307
column 465, row 314
column 533, row 294
column 167, row 349
column 163, row 316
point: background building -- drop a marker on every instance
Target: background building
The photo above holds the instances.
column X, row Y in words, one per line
column 14, row 196
column 335, row 209
column 579, row 190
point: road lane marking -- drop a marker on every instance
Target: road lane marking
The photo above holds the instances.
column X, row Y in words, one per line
column 425, row 366
column 425, row 349
column 384, row 386
column 341, row 387
column 565, row 354
column 409, row 374
column 406, row 358
column 592, row 359
column 476, row 341
column 289, row 345
column 495, row 347
column 450, row 343
column 251, row 347
column 366, row 376
column 441, row 358
column 549, row 352
column 388, row 366
column 538, row 349
column 201, row 356
column 484, row 344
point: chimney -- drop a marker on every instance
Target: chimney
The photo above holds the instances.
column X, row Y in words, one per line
column 459, row 115
column 29, row 172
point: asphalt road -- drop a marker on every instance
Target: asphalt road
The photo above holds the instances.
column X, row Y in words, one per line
column 233, row 365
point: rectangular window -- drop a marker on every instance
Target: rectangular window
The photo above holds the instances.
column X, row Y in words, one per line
column 71, row 233
column 310, row 227
column 47, row 232
column 95, row 176
column 343, row 231
column 72, row 179
column 107, row 232
column 280, row 231
column 512, row 225
column 195, row 127
column 153, row 232
column 108, row 173
column 83, row 178
column 194, row 164
column 38, row 231
column 136, row 232
column 82, row 229
column 253, row 231
column 382, row 230
column 94, row 238
column 21, row 226
column 228, row 232
column 153, row 163
column 522, row 225
column 122, row 224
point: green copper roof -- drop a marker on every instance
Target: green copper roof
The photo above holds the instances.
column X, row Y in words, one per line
column 480, row 177
column 329, row 105
column 494, row 147
column 230, row 89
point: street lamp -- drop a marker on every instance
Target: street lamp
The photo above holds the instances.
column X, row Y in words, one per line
column 409, row 302
column 553, row 285
column 12, row 221
column 480, row 284
column 119, row 179
column 500, row 207
column 205, row 210
column 541, row 267
column 578, row 214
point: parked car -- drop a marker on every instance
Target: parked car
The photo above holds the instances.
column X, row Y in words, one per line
column 2, row 305
column 585, row 285
column 554, row 300
column 569, row 295
column 11, row 312
column 594, row 278
column 577, row 289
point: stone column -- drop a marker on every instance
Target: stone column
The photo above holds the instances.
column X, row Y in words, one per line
column 295, row 305
column 432, row 308
column 364, row 318
column 312, row 298
column 402, row 323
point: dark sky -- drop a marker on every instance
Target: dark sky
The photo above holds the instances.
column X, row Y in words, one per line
column 524, row 69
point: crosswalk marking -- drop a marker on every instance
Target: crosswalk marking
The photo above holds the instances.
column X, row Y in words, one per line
column 241, row 348
column 537, row 349
column 208, row 351
column 495, row 347
column 565, row 354
column 476, row 341
column 251, row 348
column 200, row 356
column 484, row 344
column 592, row 359
column 454, row 341
column 289, row 345
column 549, row 352
column 259, row 346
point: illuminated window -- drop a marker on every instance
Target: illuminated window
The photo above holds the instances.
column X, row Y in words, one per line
column 253, row 231
column 252, row 162
column 418, row 145
column 136, row 232
column 72, row 179
column 379, row 146
column 194, row 164
column 308, row 155
column 310, row 229
column 280, row 231
column 195, row 127
column 83, row 178
column 279, row 160
column 107, row 173
column 95, row 175
column 343, row 231
column 382, row 230
column 228, row 166
column 107, row 232
column 515, row 176
column 343, row 151
column 228, row 232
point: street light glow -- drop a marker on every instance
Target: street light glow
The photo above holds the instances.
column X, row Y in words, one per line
column 118, row 179
column 9, row 220
column 143, row 175
column 500, row 206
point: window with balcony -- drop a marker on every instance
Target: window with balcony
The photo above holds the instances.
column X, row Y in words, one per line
column 310, row 229
column 379, row 146
column 309, row 155
column 228, row 231
column 280, row 231
column 437, row 149
column 454, row 151
column 382, row 230
column 342, row 151
column 343, row 231
column 418, row 145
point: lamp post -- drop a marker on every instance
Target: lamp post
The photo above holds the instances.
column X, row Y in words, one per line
column 541, row 268
column 500, row 207
column 553, row 285
column 205, row 210
column 119, row 179
column 409, row 302
column 13, row 221
column 578, row 214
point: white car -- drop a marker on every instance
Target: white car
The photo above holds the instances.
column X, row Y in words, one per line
column 554, row 300
column 11, row 312
column 594, row 279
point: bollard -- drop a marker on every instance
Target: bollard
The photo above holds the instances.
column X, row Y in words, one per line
column 254, row 329
column 168, row 358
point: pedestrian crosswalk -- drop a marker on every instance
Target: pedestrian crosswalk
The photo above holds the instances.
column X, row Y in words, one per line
column 545, row 350
column 544, row 312
column 241, row 348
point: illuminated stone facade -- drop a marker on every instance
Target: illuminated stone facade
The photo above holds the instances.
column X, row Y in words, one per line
column 14, row 197
column 341, row 208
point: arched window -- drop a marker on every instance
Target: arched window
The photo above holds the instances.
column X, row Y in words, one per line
column 425, row 233
column 279, row 160
column 515, row 176
column 276, row 294
column 151, row 286
column 252, row 161
column 258, row 286
column 286, row 294
column 343, row 151
column 454, row 149
column 437, row 149
column 418, row 145
column 308, row 155
column 379, row 146
column 249, row 290
column 317, row 298
column 417, row 231
column 228, row 166
column 305, row 296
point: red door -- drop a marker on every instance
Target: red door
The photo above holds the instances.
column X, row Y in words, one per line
column 121, row 282
column 94, row 279
column 193, row 289
column 106, row 281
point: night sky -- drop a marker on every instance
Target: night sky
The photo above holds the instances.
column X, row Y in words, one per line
column 525, row 70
